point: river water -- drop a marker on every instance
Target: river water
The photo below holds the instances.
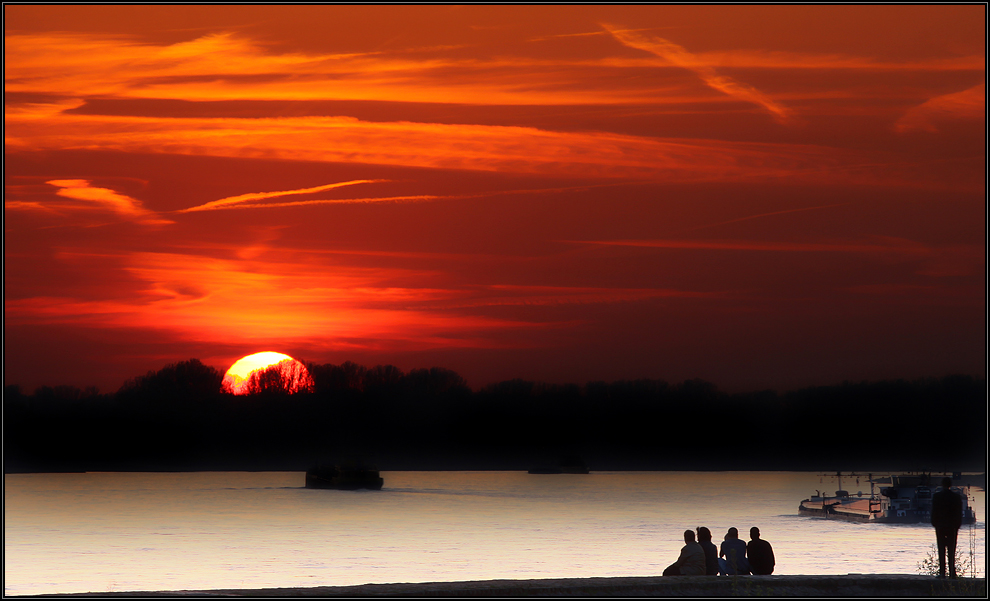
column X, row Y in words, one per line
column 99, row 532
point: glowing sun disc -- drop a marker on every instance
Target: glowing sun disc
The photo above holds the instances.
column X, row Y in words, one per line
column 238, row 377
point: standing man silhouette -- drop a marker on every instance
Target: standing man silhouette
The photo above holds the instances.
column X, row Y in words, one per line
column 946, row 517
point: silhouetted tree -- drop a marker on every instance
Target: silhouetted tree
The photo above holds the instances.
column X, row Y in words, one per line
column 188, row 379
column 286, row 377
column 382, row 379
column 434, row 381
column 330, row 379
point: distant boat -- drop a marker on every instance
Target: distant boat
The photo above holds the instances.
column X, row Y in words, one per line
column 906, row 500
column 339, row 478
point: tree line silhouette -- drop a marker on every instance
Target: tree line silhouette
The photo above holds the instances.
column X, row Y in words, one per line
column 180, row 418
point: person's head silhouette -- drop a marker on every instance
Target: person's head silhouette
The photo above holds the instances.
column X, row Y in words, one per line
column 754, row 533
column 732, row 533
column 946, row 483
column 689, row 536
column 704, row 534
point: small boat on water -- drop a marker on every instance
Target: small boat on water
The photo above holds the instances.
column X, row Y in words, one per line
column 339, row 478
column 907, row 499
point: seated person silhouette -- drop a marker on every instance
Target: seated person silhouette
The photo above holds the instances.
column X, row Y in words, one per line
column 691, row 561
column 760, row 553
column 732, row 555
column 711, row 551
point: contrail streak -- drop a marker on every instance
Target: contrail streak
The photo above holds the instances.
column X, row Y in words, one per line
column 336, row 201
column 679, row 56
column 226, row 203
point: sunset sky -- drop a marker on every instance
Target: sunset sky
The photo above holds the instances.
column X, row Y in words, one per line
column 759, row 196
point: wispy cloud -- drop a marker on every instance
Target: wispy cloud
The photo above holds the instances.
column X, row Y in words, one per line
column 508, row 295
column 680, row 56
column 199, row 297
column 779, row 59
column 946, row 260
column 227, row 66
column 968, row 105
column 784, row 212
column 964, row 296
column 25, row 205
column 299, row 300
column 497, row 148
column 586, row 34
column 445, row 146
column 120, row 204
column 898, row 246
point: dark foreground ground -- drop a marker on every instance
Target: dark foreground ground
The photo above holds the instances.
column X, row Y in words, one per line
column 852, row 585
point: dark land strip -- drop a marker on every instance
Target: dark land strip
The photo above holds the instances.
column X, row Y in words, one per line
column 178, row 419
column 851, row 585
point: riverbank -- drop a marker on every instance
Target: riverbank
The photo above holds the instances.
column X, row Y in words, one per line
column 851, row 585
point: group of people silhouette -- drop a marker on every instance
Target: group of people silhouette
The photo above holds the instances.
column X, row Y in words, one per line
column 733, row 557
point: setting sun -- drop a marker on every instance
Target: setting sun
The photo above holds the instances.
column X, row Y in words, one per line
column 245, row 375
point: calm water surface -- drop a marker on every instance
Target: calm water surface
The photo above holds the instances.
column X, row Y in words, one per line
column 174, row 531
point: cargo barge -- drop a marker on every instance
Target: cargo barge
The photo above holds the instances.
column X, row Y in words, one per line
column 906, row 499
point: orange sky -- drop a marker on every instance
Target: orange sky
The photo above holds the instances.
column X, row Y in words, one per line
column 760, row 196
